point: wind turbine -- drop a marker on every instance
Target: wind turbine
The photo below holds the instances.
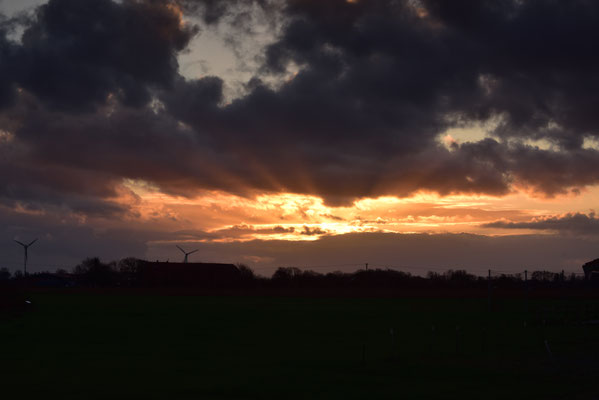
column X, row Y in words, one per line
column 25, row 248
column 186, row 253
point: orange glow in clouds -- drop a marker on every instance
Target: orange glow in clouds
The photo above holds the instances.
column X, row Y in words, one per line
column 217, row 216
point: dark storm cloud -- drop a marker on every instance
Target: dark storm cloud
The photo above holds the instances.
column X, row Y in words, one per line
column 119, row 142
column 32, row 183
column 377, row 82
column 75, row 54
column 539, row 59
column 7, row 87
column 491, row 166
column 239, row 11
column 577, row 223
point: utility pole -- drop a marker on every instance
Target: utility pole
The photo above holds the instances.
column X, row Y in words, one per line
column 366, row 266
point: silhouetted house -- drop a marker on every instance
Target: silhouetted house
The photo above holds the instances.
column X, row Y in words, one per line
column 188, row 274
column 591, row 269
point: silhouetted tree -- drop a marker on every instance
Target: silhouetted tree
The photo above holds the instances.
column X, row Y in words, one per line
column 128, row 270
column 128, row 265
column 311, row 278
column 544, row 276
column 246, row 272
column 94, row 272
column 574, row 278
column 459, row 275
column 4, row 274
column 337, row 279
column 380, row 278
column 434, row 276
column 286, row 274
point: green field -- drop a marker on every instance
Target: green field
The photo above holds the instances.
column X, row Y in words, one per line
column 142, row 346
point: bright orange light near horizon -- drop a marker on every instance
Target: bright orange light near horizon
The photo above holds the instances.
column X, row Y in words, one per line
column 216, row 216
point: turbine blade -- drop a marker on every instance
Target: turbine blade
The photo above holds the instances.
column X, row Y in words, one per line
column 21, row 243
column 191, row 252
column 32, row 242
column 181, row 249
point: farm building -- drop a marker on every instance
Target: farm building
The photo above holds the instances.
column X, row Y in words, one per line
column 187, row 274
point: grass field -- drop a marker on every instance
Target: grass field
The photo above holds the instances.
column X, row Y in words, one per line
column 143, row 346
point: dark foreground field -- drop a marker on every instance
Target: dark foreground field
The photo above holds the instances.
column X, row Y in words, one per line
column 143, row 346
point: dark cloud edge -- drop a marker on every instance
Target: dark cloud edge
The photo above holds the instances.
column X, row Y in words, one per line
column 572, row 223
column 336, row 162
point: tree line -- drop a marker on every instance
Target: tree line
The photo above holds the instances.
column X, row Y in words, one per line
column 132, row 272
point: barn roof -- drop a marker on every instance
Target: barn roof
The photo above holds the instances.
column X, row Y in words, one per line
column 187, row 274
column 189, row 265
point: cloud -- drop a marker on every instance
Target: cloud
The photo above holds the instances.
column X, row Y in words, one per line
column 63, row 240
column 233, row 233
column 7, row 87
column 536, row 60
column 313, row 231
column 574, row 223
column 93, row 95
column 248, row 231
column 74, row 55
column 241, row 11
column 66, row 240
column 372, row 95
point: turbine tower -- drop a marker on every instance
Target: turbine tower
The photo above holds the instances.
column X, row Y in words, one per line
column 186, row 253
column 25, row 248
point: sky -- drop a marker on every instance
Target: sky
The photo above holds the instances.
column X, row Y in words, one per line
column 322, row 134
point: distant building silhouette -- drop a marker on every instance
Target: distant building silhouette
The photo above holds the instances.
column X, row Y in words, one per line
column 591, row 269
column 187, row 274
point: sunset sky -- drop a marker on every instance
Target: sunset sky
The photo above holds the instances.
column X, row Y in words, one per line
column 323, row 134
